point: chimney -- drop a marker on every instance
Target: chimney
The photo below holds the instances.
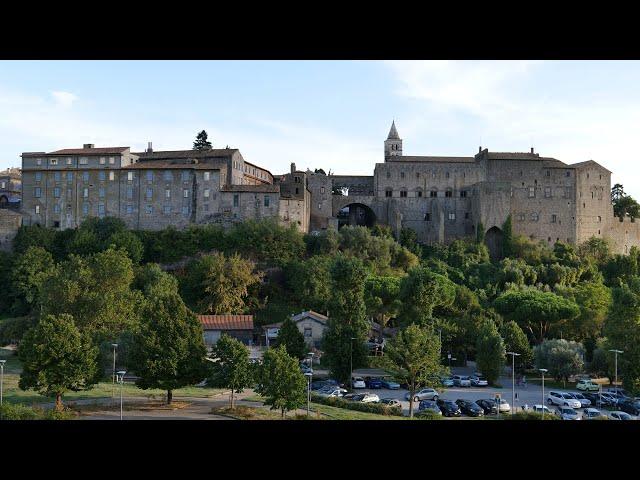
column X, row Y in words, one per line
column 88, row 145
column 531, row 149
column 149, row 147
column 293, row 167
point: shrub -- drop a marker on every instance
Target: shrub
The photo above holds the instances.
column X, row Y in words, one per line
column 376, row 408
column 531, row 415
column 427, row 415
column 9, row 411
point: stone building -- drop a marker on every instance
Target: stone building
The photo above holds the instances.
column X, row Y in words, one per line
column 10, row 188
column 10, row 222
column 447, row 198
column 153, row 190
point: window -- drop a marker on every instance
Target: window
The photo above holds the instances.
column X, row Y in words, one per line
column 38, row 176
column 207, row 175
column 101, row 209
column 84, row 160
column 185, row 209
column 452, row 216
column 206, row 207
column 129, row 193
column 532, row 192
column 401, row 174
column 69, row 161
column 103, row 160
column 433, row 193
column 427, row 217
column 102, row 176
column 466, row 215
column 149, row 176
column 297, row 190
column 112, row 160
column 446, row 175
column 554, row 218
column 167, row 193
column 388, row 193
column 130, row 176
column 419, row 193
column 56, row 192
column 185, row 175
column 37, row 192
column 149, row 194
column 322, row 190
column 167, row 209
column 69, row 177
column 319, row 206
column 185, row 193
column 308, row 332
column 463, row 194
column 148, row 209
column 599, row 218
column 168, row 176
column 266, row 200
column 236, row 199
column 567, row 173
column 85, row 209
column 548, row 173
column 417, row 174
column 54, row 161
column 69, row 194
column 547, row 192
column 112, row 176
column 534, row 217
column 403, row 193
column 129, row 209
column 3, row 185
column 56, row 176
column 85, row 193
column 85, row 177
column 388, row 174
column 56, row 208
column 37, row 209
column 206, row 193
column 448, row 194
column 521, row 217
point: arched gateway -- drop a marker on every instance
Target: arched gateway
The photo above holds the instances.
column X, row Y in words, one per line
column 494, row 240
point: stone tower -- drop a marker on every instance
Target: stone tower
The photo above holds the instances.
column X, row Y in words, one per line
column 393, row 143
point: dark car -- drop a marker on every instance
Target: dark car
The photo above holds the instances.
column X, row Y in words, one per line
column 318, row 384
column 373, row 382
column 429, row 405
column 489, row 407
column 597, row 399
column 469, row 408
column 632, row 407
column 449, row 408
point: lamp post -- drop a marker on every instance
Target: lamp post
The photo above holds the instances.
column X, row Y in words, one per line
column 543, row 371
column 121, row 382
column 616, row 352
column 513, row 380
column 2, row 362
column 309, row 376
column 113, row 374
column 351, row 363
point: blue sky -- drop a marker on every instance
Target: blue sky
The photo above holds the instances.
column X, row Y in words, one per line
column 333, row 115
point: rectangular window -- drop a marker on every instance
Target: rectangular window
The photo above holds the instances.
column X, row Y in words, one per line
column 427, row 217
column 322, row 190
column 54, row 161
column 308, row 332
column 69, row 177
column 206, row 207
column 69, row 161
column 568, row 173
column 56, row 192
column 56, row 176
column 167, row 209
column 37, row 192
column 168, row 176
column 236, row 199
column 102, row 176
column 167, row 193
column 452, row 216
column 101, row 192
column 266, row 200
column 403, row 193
column 185, row 210
column 420, row 193
column 112, row 160
column 85, row 209
column 463, row 193
column 38, row 176
column 521, row 217
column 388, row 193
column 554, row 218
column 185, row 193
column 69, row 193
column 85, row 192
column 547, row 192
column 433, row 193
column 532, row 192
column 112, row 176
column 148, row 209
column 129, row 209
column 3, row 185
column 56, row 208
column 185, row 175
column 466, row 215
column 149, row 194
column 103, row 160
column 37, row 209
column 206, row 193
column 85, row 177
column 448, row 194
column 129, row 193
column 207, row 175
column 130, row 176
column 101, row 209
column 84, row 160
column 149, row 176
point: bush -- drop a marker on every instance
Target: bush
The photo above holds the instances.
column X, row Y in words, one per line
column 377, row 408
column 531, row 415
column 9, row 411
column 427, row 415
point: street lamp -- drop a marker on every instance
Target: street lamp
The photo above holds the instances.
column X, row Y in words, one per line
column 2, row 362
column 513, row 380
column 351, row 363
column 309, row 376
column 616, row 352
column 543, row 371
column 121, row 382
column 113, row 374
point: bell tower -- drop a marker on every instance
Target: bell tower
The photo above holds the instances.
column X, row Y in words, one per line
column 393, row 143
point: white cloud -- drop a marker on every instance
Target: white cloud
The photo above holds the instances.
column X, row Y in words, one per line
column 64, row 99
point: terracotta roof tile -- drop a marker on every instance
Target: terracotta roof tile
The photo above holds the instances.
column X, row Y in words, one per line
column 90, row 151
column 226, row 322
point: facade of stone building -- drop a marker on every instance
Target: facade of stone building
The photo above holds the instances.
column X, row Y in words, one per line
column 10, row 222
column 448, row 198
column 153, row 190
column 10, row 188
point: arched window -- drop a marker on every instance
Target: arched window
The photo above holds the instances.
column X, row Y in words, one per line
column 388, row 193
column 403, row 193
column 419, row 192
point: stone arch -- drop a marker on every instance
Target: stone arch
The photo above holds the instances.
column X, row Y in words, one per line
column 356, row 214
column 494, row 239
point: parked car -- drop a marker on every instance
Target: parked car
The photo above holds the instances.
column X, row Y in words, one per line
column 504, row 406
column 424, row 394
column 318, row 384
column 448, row 408
column 461, row 381
column 358, row 382
column 470, row 408
column 479, row 381
column 568, row 413
column 587, row 386
column 584, row 401
column 610, row 397
column 620, row 416
column 630, row 406
column 390, row 402
column 367, row 398
column 446, row 381
column 488, row 406
column 429, row 405
column 619, row 393
column 332, row 392
column 598, row 400
column 591, row 413
column 562, row 399
column 390, row 384
column 541, row 408
column 373, row 382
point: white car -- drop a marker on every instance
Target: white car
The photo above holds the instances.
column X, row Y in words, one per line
column 479, row 381
column 584, row 402
column 424, row 394
column 541, row 408
column 369, row 398
column 332, row 392
column 568, row 413
column 358, row 382
column 504, row 406
column 563, row 400
column 461, row 381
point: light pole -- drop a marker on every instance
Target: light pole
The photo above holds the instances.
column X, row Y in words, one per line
column 616, row 352
column 351, row 363
column 310, row 376
column 121, row 382
column 113, row 374
column 513, row 379
column 543, row 371
column 2, row 362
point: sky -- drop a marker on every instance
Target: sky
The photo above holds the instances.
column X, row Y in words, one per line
column 333, row 115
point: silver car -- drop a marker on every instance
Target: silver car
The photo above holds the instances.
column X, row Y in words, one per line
column 568, row 413
column 424, row 394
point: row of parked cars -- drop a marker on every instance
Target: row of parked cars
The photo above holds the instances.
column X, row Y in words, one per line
column 479, row 408
column 626, row 407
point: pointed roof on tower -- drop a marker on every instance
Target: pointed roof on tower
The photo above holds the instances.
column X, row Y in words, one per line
column 393, row 133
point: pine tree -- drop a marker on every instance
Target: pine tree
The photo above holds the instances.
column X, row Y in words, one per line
column 201, row 142
column 293, row 341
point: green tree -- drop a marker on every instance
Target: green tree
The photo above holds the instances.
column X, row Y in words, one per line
column 293, row 341
column 152, row 281
column 33, row 236
column 310, row 282
column 626, row 206
column 29, row 272
column 413, row 357
column 480, row 233
column 232, row 368
column 267, row 241
column 515, row 340
column 56, row 357
column 347, row 319
column 594, row 301
column 562, row 358
column 129, row 242
column 490, row 352
column 420, row 292
column 168, row 348
column 202, row 142
column 381, row 298
column 280, row 381
column 322, row 243
column 507, row 237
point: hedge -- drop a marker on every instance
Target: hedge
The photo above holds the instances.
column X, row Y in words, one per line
column 532, row 416
column 427, row 415
column 9, row 411
column 378, row 408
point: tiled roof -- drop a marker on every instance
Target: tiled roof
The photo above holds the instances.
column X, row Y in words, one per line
column 406, row 158
column 311, row 314
column 513, row 156
column 169, row 154
column 588, row 162
column 226, row 322
column 90, row 151
column 166, row 164
column 251, row 188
